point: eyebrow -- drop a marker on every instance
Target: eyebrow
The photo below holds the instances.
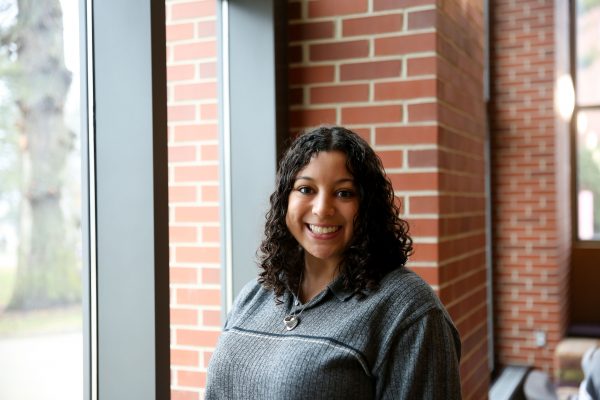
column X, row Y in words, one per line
column 343, row 180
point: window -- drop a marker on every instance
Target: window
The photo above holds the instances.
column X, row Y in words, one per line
column 41, row 197
column 586, row 71
column 114, row 171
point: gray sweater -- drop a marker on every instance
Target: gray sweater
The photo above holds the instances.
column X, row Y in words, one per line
column 397, row 343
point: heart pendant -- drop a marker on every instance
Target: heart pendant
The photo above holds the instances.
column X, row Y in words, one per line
column 290, row 321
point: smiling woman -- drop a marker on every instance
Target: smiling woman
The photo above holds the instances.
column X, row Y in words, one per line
column 334, row 313
column 321, row 211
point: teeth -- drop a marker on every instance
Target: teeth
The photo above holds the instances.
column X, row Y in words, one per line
column 323, row 229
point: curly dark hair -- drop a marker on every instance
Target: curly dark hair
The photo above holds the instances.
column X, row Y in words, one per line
column 380, row 242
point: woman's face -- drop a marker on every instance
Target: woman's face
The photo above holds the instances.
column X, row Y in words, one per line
column 322, row 206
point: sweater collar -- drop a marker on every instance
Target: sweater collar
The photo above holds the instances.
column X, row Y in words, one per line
column 338, row 289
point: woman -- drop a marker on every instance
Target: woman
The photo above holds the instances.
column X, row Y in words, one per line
column 334, row 313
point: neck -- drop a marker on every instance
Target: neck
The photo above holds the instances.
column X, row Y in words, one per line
column 316, row 276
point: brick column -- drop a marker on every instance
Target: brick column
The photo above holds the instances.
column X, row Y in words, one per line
column 531, row 199
column 407, row 76
column 193, row 192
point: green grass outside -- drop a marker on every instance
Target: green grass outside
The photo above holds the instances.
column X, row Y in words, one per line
column 40, row 322
column 36, row 322
column 7, row 279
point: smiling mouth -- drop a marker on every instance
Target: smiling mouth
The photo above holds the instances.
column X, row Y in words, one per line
column 320, row 230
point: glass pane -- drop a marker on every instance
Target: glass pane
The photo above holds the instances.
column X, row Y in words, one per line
column 41, row 344
column 588, row 51
column 588, row 174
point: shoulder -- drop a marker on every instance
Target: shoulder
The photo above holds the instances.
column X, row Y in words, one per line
column 405, row 287
column 406, row 298
column 253, row 294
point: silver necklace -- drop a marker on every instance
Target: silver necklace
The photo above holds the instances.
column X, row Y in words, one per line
column 292, row 320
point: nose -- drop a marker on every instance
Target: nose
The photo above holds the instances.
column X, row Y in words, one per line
column 323, row 206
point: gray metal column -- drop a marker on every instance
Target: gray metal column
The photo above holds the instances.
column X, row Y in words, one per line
column 129, row 86
column 248, row 133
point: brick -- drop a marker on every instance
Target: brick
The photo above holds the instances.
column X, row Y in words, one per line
column 176, row 32
column 193, row 9
column 372, row 25
column 194, row 133
column 183, row 316
column 211, row 276
column 421, row 19
column 339, row 50
column 371, row 70
column 186, row 358
column 425, row 252
column 308, row 75
column 210, row 193
column 400, row 45
column 328, row 8
column 423, row 158
column 211, row 234
column 197, row 254
column 207, row 70
column 412, row 181
column 181, row 113
column 311, row 117
column 206, row 297
column 178, row 194
column 421, row 66
column 183, row 274
column 211, row 318
column 209, row 111
column 420, row 227
column 371, row 114
column 403, row 135
column 181, row 154
column 195, row 51
column 311, row 30
column 197, row 173
column 191, row 378
column 206, row 29
column 391, row 158
column 422, row 112
column 196, row 91
column 339, row 94
column 178, row 394
column 197, row 214
column 182, row 234
column 197, row 338
column 406, row 89
column 380, row 5
column 180, row 72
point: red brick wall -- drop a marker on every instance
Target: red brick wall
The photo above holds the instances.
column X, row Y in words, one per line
column 407, row 75
column 531, row 202
column 193, row 192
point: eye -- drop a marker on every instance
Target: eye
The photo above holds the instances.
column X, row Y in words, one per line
column 304, row 190
column 345, row 194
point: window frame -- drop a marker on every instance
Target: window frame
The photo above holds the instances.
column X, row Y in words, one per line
column 252, row 111
column 577, row 242
column 127, row 329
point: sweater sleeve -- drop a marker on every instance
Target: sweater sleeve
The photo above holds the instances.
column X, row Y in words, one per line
column 421, row 361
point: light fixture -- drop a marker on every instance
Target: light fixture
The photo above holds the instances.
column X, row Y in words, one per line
column 564, row 97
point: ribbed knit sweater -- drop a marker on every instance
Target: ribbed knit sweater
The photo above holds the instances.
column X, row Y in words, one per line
column 396, row 343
